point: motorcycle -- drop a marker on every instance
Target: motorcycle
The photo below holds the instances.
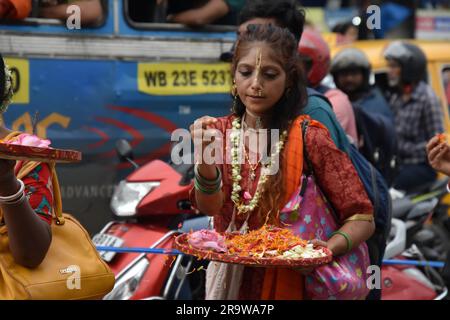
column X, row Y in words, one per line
column 151, row 206
column 411, row 276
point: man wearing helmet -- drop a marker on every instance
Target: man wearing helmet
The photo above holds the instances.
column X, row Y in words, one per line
column 315, row 55
column 351, row 72
column 374, row 119
column 416, row 111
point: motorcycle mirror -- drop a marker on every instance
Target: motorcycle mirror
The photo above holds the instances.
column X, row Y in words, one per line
column 124, row 150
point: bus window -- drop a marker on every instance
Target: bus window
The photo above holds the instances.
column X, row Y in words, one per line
column 54, row 12
column 153, row 14
column 147, row 11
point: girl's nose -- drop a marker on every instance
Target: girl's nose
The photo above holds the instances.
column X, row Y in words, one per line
column 256, row 82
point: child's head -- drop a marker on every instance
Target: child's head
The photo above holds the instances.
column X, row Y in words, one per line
column 268, row 75
column 284, row 14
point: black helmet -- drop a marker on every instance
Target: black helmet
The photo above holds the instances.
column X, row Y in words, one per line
column 351, row 58
column 411, row 58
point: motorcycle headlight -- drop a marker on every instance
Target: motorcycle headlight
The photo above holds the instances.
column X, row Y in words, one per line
column 127, row 196
column 128, row 283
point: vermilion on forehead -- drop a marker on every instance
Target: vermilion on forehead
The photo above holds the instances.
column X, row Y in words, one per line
column 268, row 58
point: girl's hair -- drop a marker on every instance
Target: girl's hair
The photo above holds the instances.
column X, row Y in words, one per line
column 283, row 43
column 287, row 14
column 290, row 105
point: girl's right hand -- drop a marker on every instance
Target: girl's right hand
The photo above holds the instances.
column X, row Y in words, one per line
column 202, row 127
column 439, row 155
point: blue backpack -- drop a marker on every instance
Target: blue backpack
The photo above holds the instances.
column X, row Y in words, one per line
column 378, row 193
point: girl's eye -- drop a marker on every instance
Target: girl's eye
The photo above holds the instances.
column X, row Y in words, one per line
column 271, row 75
column 245, row 73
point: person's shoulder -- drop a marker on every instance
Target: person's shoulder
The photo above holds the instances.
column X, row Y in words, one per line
column 375, row 92
column 425, row 94
column 318, row 136
column 318, row 103
column 334, row 92
column 338, row 98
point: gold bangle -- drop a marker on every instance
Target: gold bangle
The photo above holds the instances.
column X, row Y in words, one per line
column 360, row 217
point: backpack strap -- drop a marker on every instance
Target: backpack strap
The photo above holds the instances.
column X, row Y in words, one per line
column 315, row 93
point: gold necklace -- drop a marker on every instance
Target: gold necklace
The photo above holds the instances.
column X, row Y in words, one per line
column 252, row 169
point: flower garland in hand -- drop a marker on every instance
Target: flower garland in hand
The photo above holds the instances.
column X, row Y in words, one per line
column 236, row 170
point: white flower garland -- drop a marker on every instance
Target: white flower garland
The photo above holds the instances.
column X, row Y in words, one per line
column 236, row 170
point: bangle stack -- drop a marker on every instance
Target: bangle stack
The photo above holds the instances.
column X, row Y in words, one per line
column 347, row 238
column 15, row 198
column 207, row 186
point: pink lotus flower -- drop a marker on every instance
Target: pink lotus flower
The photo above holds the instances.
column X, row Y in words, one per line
column 31, row 141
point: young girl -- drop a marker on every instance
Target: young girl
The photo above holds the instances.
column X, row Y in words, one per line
column 269, row 93
column 25, row 204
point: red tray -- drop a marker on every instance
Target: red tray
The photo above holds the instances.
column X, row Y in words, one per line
column 182, row 245
column 19, row 152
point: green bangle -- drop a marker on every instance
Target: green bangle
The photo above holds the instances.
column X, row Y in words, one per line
column 346, row 236
column 208, row 182
column 207, row 190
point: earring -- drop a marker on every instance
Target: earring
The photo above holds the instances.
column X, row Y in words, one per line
column 234, row 89
column 234, row 107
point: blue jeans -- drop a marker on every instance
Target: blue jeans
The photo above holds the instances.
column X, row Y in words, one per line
column 411, row 176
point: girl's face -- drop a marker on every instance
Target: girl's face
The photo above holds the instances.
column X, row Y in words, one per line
column 260, row 79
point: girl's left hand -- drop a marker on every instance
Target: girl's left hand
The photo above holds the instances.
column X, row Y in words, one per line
column 316, row 243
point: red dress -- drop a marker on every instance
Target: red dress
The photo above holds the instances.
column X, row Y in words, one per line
column 334, row 173
column 39, row 190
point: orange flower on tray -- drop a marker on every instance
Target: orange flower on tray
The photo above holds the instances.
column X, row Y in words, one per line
column 267, row 246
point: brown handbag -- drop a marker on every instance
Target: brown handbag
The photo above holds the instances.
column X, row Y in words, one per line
column 72, row 268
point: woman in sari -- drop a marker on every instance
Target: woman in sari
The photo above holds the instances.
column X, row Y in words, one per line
column 269, row 93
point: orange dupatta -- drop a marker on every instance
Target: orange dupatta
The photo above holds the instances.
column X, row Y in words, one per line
column 284, row 283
